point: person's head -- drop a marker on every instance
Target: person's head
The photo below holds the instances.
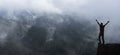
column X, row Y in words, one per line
column 101, row 24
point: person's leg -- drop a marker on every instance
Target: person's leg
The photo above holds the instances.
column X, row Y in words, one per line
column 103, row 38
column 99, row 38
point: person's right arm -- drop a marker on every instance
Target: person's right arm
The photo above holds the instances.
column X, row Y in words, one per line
column 97, row 22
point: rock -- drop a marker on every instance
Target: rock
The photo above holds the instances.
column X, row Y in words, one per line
column 108, row 49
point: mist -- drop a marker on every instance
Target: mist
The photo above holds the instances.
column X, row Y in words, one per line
column 56, row 27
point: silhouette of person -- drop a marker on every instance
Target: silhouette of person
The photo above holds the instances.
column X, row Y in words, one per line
column 101, row 33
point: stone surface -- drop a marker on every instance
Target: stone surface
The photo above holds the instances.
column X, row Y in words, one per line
column 108, row 49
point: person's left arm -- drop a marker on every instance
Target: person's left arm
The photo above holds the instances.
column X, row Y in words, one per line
column 107, row 23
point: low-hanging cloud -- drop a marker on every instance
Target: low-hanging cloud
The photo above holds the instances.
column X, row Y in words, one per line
column 35, row 5
column 65, row 27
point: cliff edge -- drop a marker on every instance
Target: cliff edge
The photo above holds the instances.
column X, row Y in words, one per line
column 108, row 49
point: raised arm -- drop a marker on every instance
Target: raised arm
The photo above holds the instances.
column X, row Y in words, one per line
column 97, row 22
column 107, row 23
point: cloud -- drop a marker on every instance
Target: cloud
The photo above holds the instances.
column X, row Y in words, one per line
column 68, row 23
column 70, row 6
column 35, row 5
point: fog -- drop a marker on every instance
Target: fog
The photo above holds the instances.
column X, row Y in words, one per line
column 56, row 27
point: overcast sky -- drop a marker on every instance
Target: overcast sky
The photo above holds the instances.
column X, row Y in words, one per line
column 102, row 10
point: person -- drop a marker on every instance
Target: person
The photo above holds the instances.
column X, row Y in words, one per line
column 101, row 33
